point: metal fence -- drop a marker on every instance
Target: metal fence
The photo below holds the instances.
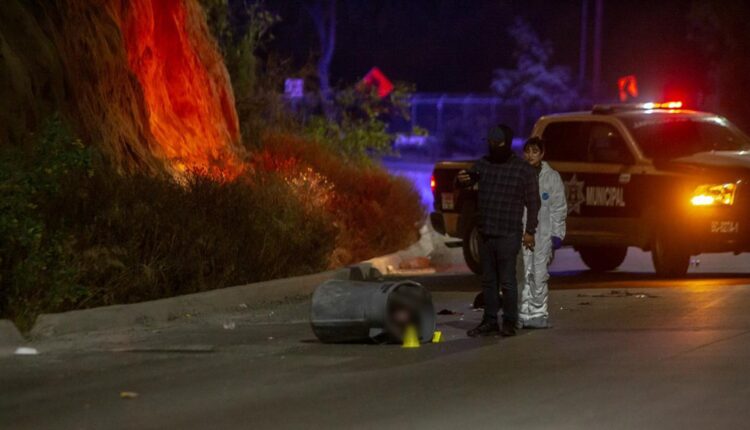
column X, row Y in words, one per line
column 455, row 124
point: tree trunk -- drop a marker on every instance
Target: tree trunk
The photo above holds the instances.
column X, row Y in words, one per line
column 323, row 14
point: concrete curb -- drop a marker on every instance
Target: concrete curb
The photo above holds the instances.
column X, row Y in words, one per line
column 158, row 311
column 223, row 300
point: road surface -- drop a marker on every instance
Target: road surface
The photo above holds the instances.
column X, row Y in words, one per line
column 626, row 351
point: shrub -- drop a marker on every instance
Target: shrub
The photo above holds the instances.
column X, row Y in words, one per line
column 36, row 267
column 374, row 212
column 358, row 129
column 160, row 238
column 76, row 234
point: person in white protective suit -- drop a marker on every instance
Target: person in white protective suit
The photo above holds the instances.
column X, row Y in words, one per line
column 549, row 235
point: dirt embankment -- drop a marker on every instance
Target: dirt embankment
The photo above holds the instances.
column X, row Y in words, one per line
column 141, row 79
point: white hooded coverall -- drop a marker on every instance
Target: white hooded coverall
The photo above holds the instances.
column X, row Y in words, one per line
column 552, row 214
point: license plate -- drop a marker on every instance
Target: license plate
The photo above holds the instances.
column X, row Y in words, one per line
column 447, row 199
column 725, row 227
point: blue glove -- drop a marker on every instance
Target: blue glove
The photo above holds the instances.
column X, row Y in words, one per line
column 556, row 243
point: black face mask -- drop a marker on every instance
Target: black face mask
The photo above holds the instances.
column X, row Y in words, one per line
column 499, row 151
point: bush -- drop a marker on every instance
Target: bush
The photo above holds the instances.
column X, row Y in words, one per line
column 76, row 234
column 357, row 129
column 374, row 212
column 160, row 238
column 36, row 267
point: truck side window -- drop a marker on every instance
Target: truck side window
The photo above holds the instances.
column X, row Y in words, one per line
column 606, row 145
column 566, row 141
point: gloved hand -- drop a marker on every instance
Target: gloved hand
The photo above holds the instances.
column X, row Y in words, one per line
column 466, row 179
column 556, row 243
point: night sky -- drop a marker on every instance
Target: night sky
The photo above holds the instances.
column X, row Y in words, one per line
column 454, row 46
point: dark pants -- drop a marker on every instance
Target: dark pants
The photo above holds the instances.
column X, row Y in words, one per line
column 498, row 255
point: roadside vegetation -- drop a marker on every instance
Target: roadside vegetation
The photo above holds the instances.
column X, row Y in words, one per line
column 76, row 233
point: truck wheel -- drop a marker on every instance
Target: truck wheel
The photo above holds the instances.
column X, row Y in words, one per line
column 603, row 258
column 471, row 248
column 669, row 258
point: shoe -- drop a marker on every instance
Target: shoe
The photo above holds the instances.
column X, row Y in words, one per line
column 509, row 329
column 485, row 328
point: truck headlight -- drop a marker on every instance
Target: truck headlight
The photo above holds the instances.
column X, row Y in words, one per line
column 714, row 195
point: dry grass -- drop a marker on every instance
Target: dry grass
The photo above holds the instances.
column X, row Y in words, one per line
column 374, row 212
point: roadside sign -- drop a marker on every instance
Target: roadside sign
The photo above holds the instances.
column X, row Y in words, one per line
column 628, row 87
column 294, row 88
column 376, row 78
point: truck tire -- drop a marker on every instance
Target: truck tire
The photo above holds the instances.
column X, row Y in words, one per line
column 669, row 257
column 603, row 258
column 471, row 247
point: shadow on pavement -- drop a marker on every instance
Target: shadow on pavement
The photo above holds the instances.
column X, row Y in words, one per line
column 373, row 357
column 588, row 279
column 469, row 282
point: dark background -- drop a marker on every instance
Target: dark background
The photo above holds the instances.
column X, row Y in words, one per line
column 450, row 46
column 453, row 46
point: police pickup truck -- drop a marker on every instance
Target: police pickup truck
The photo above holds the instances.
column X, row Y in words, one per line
column 671, row 181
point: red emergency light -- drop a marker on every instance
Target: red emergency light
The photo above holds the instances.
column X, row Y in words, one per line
column 433, row 184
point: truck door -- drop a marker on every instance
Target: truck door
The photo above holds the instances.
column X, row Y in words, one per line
column 610, row 197
column 567, row 152
column 597, row 168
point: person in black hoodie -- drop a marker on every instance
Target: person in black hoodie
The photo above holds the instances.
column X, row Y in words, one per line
column 506, row 185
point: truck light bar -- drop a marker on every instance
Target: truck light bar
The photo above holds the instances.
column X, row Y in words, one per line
column 665, row 105
column 624, row 107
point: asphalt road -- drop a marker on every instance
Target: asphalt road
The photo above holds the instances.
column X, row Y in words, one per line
column 626, row 351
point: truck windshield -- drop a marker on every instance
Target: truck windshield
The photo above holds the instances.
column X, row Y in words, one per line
column 670, row 136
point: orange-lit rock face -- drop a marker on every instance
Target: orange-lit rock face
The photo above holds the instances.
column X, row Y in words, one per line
column 185, row 84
